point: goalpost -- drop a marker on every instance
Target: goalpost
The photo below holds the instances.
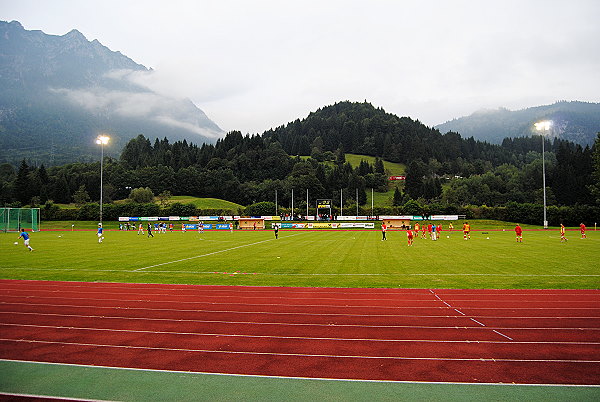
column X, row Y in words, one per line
column 14, row 219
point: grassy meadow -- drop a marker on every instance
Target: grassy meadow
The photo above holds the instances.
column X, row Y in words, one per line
column 330, row 258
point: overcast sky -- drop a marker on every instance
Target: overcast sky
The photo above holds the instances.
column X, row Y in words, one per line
column 252, row 65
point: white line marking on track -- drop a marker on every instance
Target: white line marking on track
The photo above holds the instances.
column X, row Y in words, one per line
column 282, row 313
column 500, row 333
column 207, row 254
column 283, row 304
column 235, row 352
column 218, row 334
column 472, row 319
column 301, row 324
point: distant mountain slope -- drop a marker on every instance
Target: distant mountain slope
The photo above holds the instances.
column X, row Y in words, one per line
column 57, row 93
column 573, row 121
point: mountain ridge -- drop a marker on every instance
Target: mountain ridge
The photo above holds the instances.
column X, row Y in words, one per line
column 575, row 121
column 60, row 91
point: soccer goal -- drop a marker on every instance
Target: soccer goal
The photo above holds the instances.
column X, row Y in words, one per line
column 14, row 219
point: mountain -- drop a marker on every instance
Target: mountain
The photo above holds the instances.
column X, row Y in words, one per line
column 57, row 93
column 577, row 122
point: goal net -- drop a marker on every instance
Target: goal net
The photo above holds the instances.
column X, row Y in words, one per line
column 14, row 219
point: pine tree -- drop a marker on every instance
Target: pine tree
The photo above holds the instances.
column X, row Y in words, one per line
column 22, row 188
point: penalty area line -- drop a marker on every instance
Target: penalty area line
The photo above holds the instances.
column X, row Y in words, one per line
column 207, row 254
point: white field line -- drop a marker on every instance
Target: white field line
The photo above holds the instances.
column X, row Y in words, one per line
column 297, row 378
column 234, row 352
column 284, row 304
column 207, row 254
column 220, row 335
column 287, row 273
column 309, row 324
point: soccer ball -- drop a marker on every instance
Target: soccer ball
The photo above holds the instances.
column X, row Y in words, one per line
column 16, row 243
column 487, row 238
column 447, row 237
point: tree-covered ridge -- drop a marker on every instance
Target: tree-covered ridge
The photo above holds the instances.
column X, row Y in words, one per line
column 249, row 169
column 363, row 129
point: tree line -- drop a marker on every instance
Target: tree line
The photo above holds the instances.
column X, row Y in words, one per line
column 443, row 170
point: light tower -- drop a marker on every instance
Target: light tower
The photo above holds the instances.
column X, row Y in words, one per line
column 543, row 127
column 102, row 140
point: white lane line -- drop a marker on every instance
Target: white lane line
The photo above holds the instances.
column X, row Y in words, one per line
column 500, row 333
column 220, row 335
column 207, row 254
column 287, row 313
column 309, row 324
column 472, row 319
column 460, row 312
column 235, row 352
column 240, row 295
column 146, row 301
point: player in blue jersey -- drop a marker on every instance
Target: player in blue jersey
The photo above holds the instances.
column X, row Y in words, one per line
column 25, row 237
column 100, row 233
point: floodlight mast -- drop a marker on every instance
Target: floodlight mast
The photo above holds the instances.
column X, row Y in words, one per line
column 102, row 140
column 542, row 127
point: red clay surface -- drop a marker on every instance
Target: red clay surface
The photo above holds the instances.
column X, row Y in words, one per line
column 439, row 335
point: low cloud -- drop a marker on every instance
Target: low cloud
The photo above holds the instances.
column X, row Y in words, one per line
column 141, row 103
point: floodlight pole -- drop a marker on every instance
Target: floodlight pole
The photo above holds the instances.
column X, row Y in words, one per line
column 101, row 140
column 544, row 126
column 544, row 180
column 101, row 181
column 306, row 202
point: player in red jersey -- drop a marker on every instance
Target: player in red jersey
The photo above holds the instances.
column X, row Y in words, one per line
column 582, row 228
column 409, row 235
column 563, row 231
column 519, row 233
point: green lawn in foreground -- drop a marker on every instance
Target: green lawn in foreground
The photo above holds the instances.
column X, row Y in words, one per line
column 309, row 258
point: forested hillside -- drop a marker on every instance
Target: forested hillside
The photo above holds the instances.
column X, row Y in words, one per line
column 444, row 172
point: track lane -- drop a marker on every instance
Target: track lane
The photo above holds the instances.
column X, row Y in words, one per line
column 456, row 335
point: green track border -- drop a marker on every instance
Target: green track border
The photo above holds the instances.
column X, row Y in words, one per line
column 23, row 378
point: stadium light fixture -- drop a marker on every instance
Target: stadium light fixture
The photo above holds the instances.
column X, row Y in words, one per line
column 543, row 127
column 102, row 140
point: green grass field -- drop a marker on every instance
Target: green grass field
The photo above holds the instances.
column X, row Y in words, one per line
column 206, row 203
column 328, row 258
column 390, row 167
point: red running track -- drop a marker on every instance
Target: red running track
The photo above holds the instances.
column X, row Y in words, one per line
column 438, row 335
